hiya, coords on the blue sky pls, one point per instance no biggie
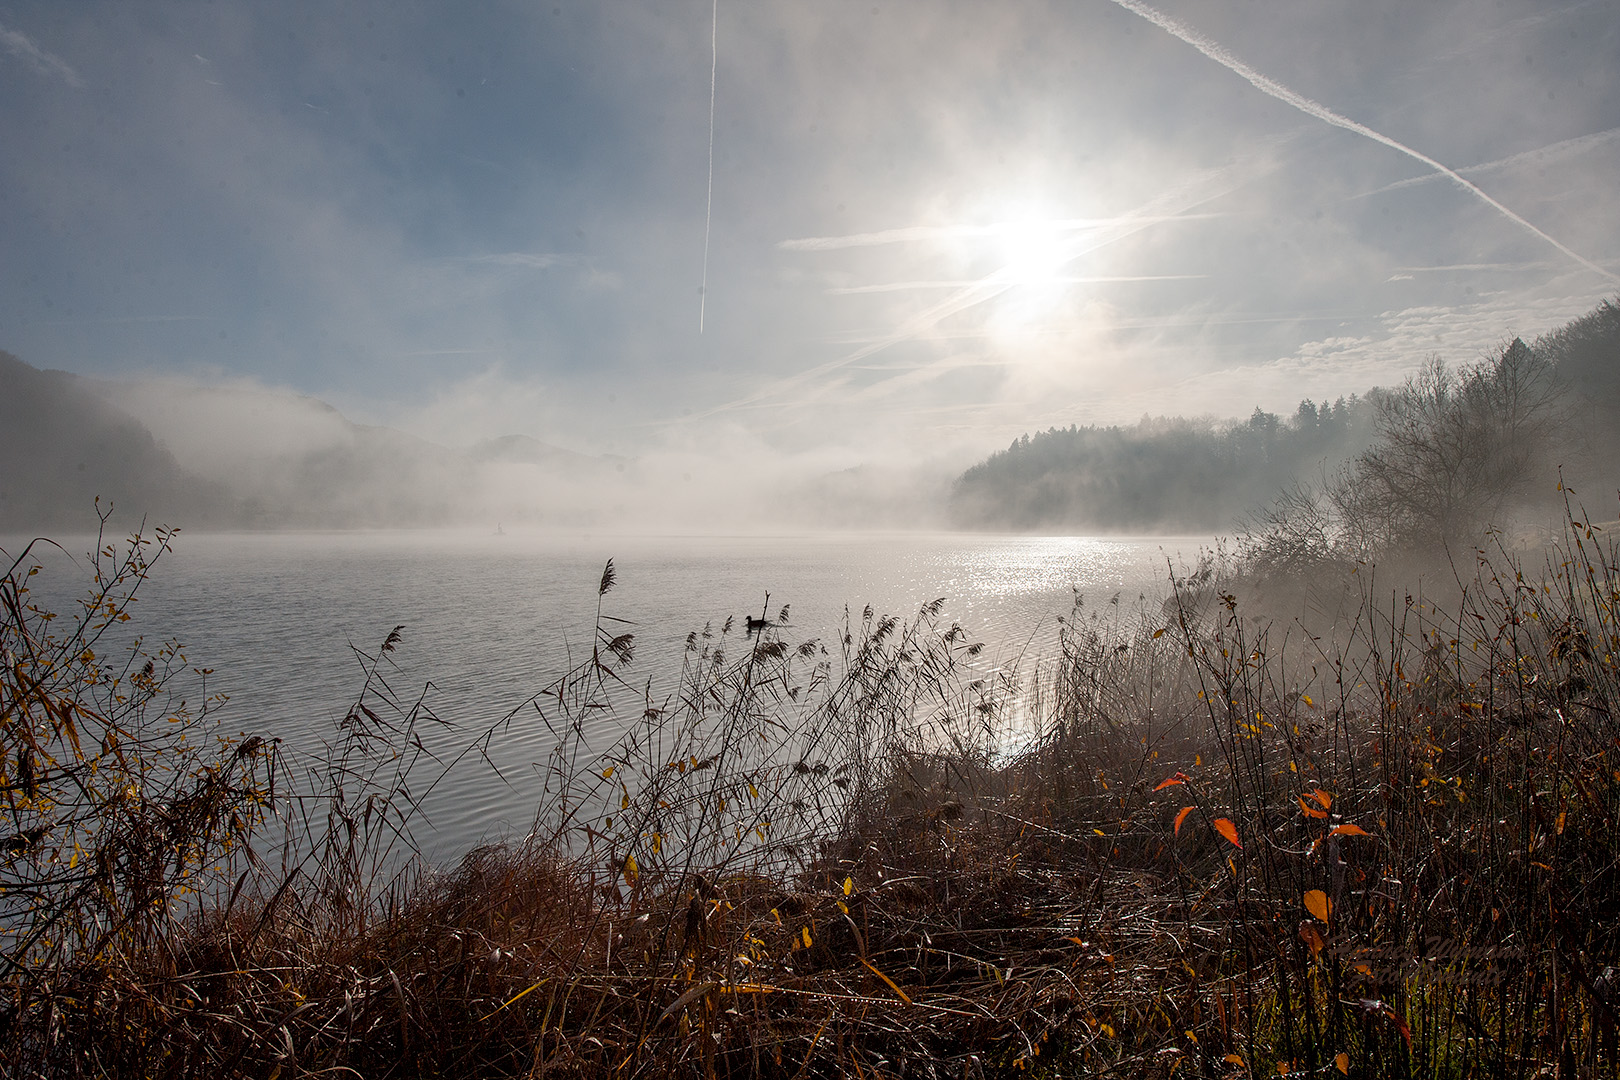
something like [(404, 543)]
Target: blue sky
[(935, 225)]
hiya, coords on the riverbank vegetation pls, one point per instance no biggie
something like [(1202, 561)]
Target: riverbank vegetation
[(1199, 843)]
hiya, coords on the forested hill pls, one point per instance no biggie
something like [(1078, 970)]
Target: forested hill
[(1204, 475), (1158, 475)]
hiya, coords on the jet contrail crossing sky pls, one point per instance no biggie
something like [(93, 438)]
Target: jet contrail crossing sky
[(1267, 85)]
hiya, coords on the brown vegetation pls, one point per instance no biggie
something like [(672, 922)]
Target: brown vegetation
[(1225, 847)]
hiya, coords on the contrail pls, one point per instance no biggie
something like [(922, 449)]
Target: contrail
[(1169, 206), (708, 214), (1550, 152), (1269, 86)]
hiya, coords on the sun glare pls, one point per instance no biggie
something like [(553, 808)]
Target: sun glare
[(1033, 252)]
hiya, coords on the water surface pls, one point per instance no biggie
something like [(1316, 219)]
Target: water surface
[(491, 619)]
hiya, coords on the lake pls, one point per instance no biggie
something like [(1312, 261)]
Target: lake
[(491, 619)]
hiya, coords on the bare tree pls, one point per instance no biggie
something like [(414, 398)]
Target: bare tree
[(1454, 451)]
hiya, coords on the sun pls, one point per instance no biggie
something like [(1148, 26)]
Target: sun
[(1032, 251)]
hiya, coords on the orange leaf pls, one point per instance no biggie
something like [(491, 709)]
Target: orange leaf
[(1185, 810), (1348, 830), (1310, 811), (1323, 797), (1316, 902), (1179, 778), (1229, 830), (1312, 938), (1341, 1061)]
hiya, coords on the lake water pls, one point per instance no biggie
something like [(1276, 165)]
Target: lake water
[(491, 619)]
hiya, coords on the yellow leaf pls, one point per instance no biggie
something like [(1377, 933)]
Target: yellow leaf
[(1233, 1059), (1306, 698), (630, 869), (1157, 634), (849, 886), (1342, 1061), (1316, 902), (607, 773), (892, 984), (1229, 830), (804, 932)]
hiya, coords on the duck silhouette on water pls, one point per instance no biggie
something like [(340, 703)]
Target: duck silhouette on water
[(764, 622)]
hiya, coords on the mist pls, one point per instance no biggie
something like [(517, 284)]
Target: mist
[(237, 455), (930, 230)]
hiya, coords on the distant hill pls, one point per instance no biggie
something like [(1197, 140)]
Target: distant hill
[(247, 457), (62, 445), (293, 461)]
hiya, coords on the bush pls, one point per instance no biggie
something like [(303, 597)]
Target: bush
[(121, 801)]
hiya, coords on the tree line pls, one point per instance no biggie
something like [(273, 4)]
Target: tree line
[(1161, 474), (1428, 463)]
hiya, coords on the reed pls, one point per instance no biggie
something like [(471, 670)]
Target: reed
[(1230, 845)]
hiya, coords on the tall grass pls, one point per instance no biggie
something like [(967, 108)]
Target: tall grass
[(1235, 845)]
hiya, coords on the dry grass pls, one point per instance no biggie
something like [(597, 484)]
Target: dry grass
[(1233, 848)]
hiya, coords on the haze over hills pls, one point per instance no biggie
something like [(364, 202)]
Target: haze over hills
[(240, 456), (244, 457), (62, 445)]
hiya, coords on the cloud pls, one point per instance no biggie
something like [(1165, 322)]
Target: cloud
[(528, 260), (1171, 205), (20, 45), (923, 233), (910, 286), (1271, 87), (1382, 354)]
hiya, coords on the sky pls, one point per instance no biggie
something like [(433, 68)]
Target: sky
[(919, 229)]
